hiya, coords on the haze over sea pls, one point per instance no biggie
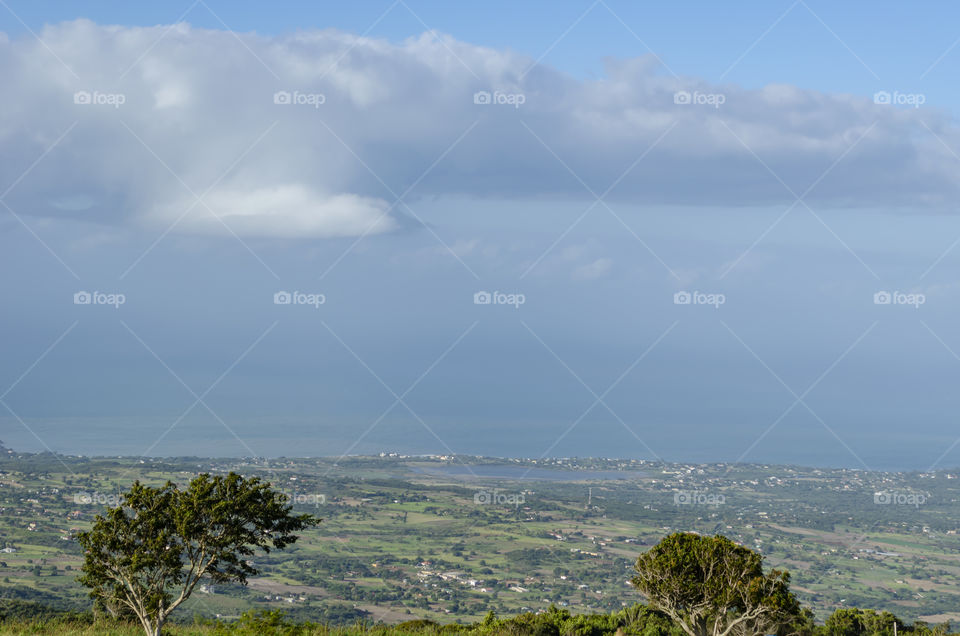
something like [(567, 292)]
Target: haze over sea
[(298, 437)]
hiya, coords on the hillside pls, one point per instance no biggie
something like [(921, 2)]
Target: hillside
[(406, 537)]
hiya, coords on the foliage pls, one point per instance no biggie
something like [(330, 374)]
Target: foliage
[(710, 585), (147, 555), (12, 609), (637, 620), (856, 622)]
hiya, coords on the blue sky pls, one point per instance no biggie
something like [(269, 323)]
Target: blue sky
[(810, 44), (744, 158)]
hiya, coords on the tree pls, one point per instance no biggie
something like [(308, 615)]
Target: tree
[(148, 554), (852, 621), (846, 621), (712, 586)]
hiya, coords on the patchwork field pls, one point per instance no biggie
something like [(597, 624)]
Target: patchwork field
[(452, 538)]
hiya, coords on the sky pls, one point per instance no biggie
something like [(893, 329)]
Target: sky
[(680, 231)]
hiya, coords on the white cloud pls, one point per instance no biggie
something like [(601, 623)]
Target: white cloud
[(593, 270), (283, 211), (199, 107)]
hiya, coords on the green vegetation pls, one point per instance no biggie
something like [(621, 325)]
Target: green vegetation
[(146, 555), (632, 621), (406, 538), (697, 586), (637, 620), (710, 585)]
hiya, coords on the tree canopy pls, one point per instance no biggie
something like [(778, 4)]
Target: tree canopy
[(713, 587), (146, 555)]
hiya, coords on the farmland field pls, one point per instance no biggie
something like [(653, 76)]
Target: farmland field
[(424, 537)]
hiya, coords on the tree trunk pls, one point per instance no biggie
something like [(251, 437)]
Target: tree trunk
[(152, 628)]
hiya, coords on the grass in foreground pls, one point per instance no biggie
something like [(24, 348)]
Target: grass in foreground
[(634, 621)]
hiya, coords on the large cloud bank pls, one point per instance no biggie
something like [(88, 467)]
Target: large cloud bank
[(316, 134)]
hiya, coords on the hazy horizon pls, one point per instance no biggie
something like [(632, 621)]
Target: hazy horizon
[(695, 233)]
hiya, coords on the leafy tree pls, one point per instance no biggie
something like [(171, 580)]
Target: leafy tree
[(261, 623), (712, 586), (852, 621), (846, 621), (147, 555), (881, 623)]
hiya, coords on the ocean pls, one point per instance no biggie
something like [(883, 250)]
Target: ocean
[(314, 437)]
